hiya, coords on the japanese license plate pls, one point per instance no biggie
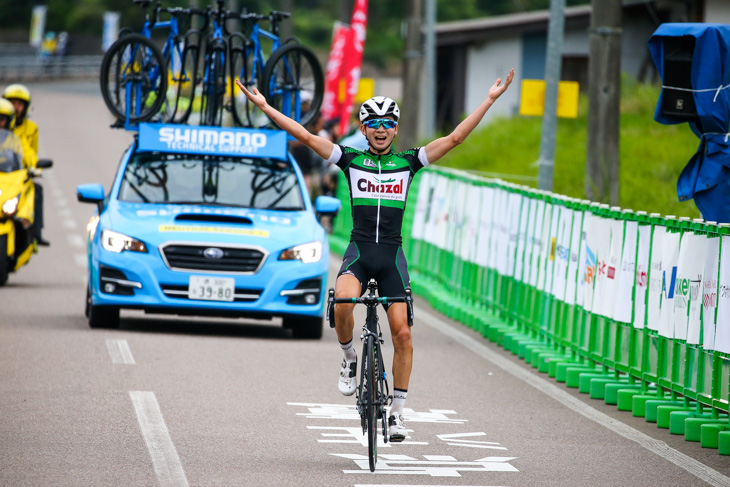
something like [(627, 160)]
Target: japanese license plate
[(211, 288)]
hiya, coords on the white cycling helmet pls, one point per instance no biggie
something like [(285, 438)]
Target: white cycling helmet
[(379, 107)]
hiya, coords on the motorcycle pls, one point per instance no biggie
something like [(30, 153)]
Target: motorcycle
[(17, 194)]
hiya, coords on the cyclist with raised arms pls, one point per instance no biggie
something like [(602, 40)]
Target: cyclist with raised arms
[(378, 180)]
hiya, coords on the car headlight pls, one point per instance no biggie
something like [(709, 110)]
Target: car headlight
[(11, 206), (118, 242), (307, 253)]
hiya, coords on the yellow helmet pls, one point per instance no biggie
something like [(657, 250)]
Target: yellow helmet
[(7, 110), (17, 91)]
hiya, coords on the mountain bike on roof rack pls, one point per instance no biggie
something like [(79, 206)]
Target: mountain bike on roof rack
[(138, 79), (373, 393)]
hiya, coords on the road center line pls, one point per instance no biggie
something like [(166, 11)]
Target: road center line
[(119, 351), (698, 469), (164, 455)]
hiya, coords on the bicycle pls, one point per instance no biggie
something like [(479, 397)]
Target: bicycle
[(136, 73), (373, 393), (290, 71)]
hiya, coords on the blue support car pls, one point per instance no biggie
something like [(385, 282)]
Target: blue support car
[(208, 221)]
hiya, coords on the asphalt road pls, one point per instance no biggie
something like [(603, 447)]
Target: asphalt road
[(173, 402)]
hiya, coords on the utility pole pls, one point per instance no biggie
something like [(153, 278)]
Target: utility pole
[(553, 66), (604, 96), (412, 66), (287, 27), (429, 73)]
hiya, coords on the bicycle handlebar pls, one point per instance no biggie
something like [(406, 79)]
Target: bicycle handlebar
[(369, 300)]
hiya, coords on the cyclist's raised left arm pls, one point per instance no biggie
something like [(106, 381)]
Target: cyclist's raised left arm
[(436, 149), (321, 146)]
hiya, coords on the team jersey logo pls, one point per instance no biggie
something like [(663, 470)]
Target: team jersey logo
[(374, 186), (369, 163)]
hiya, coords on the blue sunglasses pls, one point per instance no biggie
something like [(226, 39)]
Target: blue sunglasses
[(377, 122)]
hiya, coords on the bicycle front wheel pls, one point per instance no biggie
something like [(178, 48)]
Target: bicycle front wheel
[(369, 396), (182, 78), (214, 86), (133, 78), (293, 83)]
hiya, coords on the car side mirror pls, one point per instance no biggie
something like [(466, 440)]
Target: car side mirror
[(44, 163), (327, 205), (91, 193)]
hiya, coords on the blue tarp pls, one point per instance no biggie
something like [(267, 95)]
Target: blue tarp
[(706, 177)]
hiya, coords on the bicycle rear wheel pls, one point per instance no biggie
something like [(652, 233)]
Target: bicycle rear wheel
[(244, 68), (182, 69), (133, 78), (291, 75), (214, 86)]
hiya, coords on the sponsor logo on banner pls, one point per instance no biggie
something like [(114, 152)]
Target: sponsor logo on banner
[(668, 288), (641, 276), (367, 185), (590, 265), (709, 300), (213, 140), (611, 272)]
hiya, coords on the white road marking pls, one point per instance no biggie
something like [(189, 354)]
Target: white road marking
[(701, 471), (75, 241), (64, 212), (164, 455), (119, 351), (355, 435), (81, 260), (61, 202), (69, 223), (411, 485), (433, 466), (457, 439)]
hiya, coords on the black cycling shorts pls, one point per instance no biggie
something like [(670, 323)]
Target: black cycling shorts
[(386, 263)]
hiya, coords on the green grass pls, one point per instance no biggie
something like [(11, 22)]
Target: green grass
[(652, 155)]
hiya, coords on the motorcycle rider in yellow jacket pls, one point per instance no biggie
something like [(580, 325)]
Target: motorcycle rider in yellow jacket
[(27, 131)]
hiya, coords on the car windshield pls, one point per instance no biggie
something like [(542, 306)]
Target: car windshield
[(211, 180), (11, 152)]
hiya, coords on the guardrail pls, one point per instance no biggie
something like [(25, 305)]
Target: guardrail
[(31, 68), (631, 308)]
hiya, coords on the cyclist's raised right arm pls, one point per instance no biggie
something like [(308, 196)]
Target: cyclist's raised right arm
[(323, 147)]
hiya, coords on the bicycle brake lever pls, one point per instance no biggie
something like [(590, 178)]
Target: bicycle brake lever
[(330, 308)]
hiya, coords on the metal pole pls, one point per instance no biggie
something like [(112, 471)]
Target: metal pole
[(412, 66), (429, 95), (604, 97), (553, 64)]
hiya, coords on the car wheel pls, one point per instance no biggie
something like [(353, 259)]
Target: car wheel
[(4, 267), (101, 316), (304, 326)]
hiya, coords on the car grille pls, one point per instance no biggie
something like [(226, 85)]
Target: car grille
[(241, 295), (235, 259)]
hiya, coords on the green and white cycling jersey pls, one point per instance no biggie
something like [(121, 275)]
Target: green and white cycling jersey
[(378, 187)]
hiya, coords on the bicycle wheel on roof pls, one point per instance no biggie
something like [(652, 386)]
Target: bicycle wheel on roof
[(182, 66), (293, 83), (133, 78), (244, 67)]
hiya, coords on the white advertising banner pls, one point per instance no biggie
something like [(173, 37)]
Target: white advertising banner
[(582, 266), (469, 243), (537, 243), (604, 290), (571, 282), (425, 193), (513, 227), (690, 266), (497, 230), (642, 275), (722, 326), (591, 237), (562, 253), (654, 304), (485, 226), (436, 234), (625, 287), (522, 238), (709, 292), (696, 273), (670, 257), (459, 212), (546, 242)]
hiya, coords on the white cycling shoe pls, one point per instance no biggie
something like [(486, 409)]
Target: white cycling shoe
[(347, 383), (397, 428)]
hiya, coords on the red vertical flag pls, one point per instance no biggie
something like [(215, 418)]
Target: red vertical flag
[(331, 102), (352, 60)]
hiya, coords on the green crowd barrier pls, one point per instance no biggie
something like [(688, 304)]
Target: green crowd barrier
[(629, 307)]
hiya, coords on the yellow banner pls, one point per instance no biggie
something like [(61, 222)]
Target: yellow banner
[(532, 99), (234, 231)]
